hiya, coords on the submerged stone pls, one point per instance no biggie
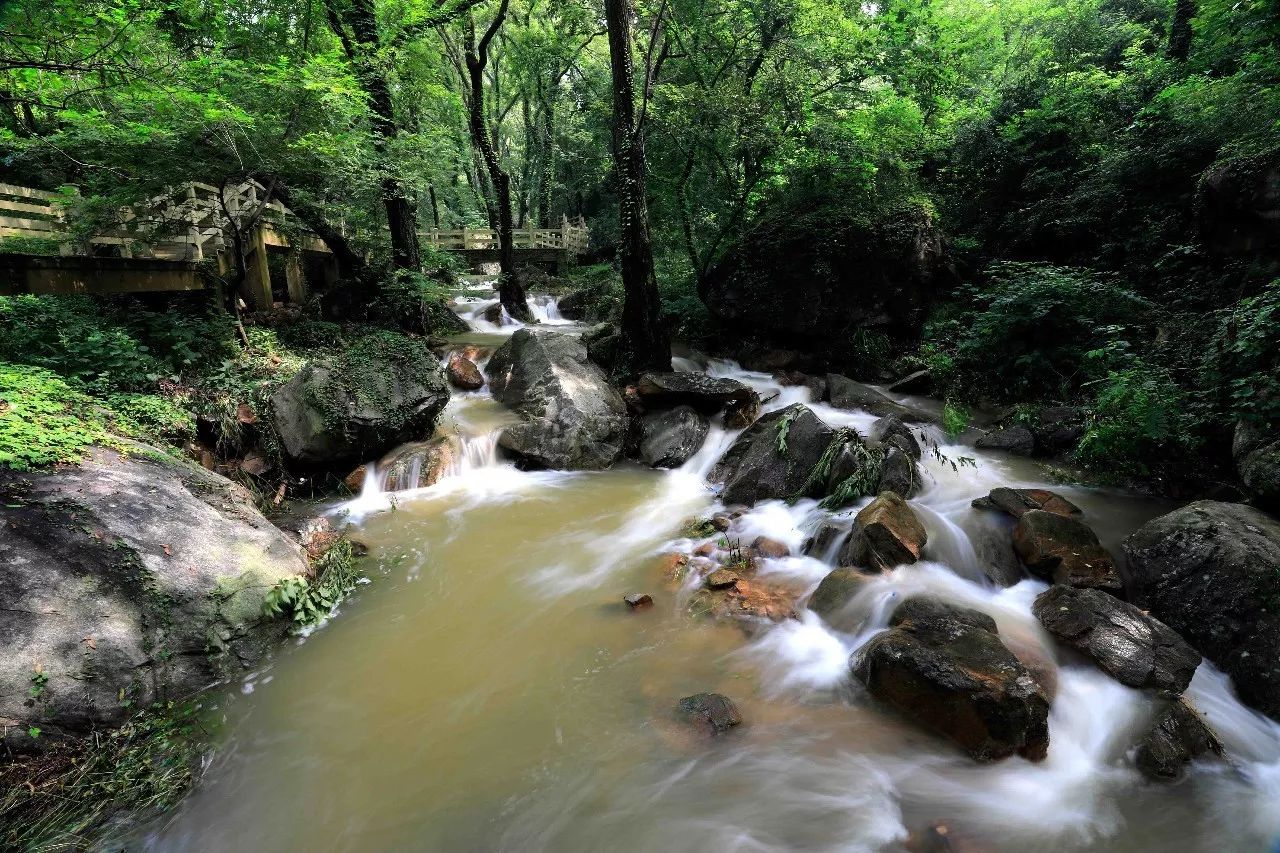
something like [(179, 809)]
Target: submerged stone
[(712, 713), (1178, 736)]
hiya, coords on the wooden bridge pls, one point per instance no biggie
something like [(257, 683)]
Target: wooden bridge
[(160, 245)]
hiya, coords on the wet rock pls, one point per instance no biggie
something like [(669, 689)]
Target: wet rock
[(773, 458), (1208, 571), (721, 579), (707, 394), (835, 592), (463, 373), (601, 343), (670, 438), (355, 480), (574, 304), (1017, 502), (765, 547), (673, 567), (1257, 457), (824, 539), (900, 474), (945, 667), (853, 473), (638, 600), (845, 393), (742, 413), (355, 406), (713, 713), (572, 417), (138, 577), (995, 553), (1136, 649), (1058, 429), (493, 314), (1178, 736), (747, 601), (886, 533), (817, 385), (1063, 549), (722, 521), (418, 464), (890, 430), (1017, 440), (920, 382)]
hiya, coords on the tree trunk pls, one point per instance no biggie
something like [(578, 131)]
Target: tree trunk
[(362, 51), (547, 184), (510, 289), (645, 344), (1180, 32), (350, 264)]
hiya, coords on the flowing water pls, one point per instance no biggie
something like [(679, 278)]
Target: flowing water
[(489, 691)]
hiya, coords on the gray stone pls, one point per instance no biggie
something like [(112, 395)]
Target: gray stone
[(1017, 440), (773, 458), (1257, 456), (359, 405), (834, 593), (900, 474), (1137, 649), (1211, 572), (572, 418), (668, 439), (138, 576), (1178, 736), (711, 712)]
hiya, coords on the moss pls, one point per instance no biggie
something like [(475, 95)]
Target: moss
[(43, 421)]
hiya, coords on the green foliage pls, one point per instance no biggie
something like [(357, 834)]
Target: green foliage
[(147, 416), (1244, 357), (64, 798), (307, 603), (43, 420), (1030, 327), (1139, 421), (864, 480), (955, 418), (30, 246)]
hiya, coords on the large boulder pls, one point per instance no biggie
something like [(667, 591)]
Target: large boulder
[(1257, 457), (668, 439), (1063, 549), (1178, 736), (1137, 649), (707, 394), (846, 393), (832, 597), (900, 474), (1017, 440), (463, 373), (383, 391), (573, 419), (945, 667), (868, 270), (128, 579), (1209, 572), (774, 457), (886, 533)]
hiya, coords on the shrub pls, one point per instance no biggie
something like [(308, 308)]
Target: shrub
[(1139, 423), (1244, 357), (148, 416)]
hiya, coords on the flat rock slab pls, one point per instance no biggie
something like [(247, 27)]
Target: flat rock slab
[(1065, 550), (1137, 649), (945, 667), (1018, 502)]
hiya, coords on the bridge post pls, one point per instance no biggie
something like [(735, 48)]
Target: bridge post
[(258, 280)]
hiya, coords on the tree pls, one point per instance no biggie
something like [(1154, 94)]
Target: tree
[(645, 344)]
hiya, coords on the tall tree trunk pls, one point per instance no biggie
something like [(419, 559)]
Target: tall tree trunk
[(362, 48), (547, 183), (645, 344), (1180, 33), (510, 289)]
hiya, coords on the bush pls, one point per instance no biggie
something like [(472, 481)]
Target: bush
[(1244, 358), (1140, 422), (148, 416), (1036, 331)]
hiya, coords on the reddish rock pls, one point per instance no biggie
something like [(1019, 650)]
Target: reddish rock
[(721, 579), (463, 373), (766, 547), (638, 600), (706, 549), (1065, 550), (418, 464), (672, 568), (355, 480), (747, 600), (255, 463), (886, 534), (1018, 502)]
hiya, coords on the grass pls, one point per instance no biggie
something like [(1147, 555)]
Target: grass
[(65, 797)]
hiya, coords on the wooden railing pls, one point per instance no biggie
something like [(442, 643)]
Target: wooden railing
[(572, 236), (190, 224)]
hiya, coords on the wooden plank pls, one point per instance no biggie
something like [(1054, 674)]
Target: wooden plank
[(22, 207), (26, 192), (29, 224)]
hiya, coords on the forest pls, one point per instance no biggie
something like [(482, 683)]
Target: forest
[(765, 313)]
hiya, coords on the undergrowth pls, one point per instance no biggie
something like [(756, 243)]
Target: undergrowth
[(43, 421), (308, 602), (63, 798)]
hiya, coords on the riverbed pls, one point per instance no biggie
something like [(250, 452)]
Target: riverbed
[(488, 689)]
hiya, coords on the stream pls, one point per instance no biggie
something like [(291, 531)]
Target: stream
[(488, 690)]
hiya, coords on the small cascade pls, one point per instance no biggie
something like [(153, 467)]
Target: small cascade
[(545, 310)]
